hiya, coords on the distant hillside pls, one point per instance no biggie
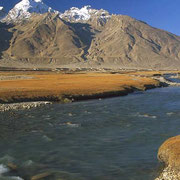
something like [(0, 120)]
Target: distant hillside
[(128, 42)]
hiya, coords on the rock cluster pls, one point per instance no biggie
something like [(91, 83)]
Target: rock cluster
[(169, 174), (24, 105)]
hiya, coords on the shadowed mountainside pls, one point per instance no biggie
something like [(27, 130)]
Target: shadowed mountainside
[(5, 37), (45, 39)]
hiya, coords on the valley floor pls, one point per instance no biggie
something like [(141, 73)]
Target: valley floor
[(26, 86)]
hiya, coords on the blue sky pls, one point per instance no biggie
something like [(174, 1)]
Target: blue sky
[(163, 14)]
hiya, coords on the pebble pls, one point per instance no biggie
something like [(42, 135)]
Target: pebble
[(169, 174)]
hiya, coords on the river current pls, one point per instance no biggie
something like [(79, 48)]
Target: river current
[(108, 139)]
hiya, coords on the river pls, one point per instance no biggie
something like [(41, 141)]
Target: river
[(108, 139)]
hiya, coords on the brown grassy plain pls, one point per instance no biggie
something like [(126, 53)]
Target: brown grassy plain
[(169, 152), (57, 86)]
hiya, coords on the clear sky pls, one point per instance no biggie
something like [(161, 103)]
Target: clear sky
[(163, 14)]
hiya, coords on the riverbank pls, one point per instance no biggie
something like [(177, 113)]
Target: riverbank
[(28, 86), (23, 105), (169, 155)]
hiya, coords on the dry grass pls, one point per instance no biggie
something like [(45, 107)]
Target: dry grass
[(54, 86), (169, 152)]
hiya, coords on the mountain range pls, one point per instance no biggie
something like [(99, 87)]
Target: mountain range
[(35, 35)]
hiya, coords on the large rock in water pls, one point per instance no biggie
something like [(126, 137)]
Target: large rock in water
[(169, 154)]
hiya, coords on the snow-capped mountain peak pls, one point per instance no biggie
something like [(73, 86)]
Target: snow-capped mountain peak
[(25, 8), (84, 14)]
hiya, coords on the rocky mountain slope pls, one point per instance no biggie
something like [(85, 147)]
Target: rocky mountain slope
[(128, 42), (86, 37), (47, 39)]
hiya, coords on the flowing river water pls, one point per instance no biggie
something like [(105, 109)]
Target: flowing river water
[(109, 139)]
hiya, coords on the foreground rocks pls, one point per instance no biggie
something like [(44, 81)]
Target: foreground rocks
[(20, 106), (169, 155)]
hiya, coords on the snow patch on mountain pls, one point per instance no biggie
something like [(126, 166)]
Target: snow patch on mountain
[(84, 14), (25, 8)]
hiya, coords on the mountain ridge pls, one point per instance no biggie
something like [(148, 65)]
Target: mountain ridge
[(87, 37), (25, 8), (84, 14)]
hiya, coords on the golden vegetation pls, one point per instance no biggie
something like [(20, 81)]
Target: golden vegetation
[(54, 86), (169, 152)]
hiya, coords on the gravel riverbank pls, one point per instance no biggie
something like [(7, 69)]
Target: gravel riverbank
[(23, 105)]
